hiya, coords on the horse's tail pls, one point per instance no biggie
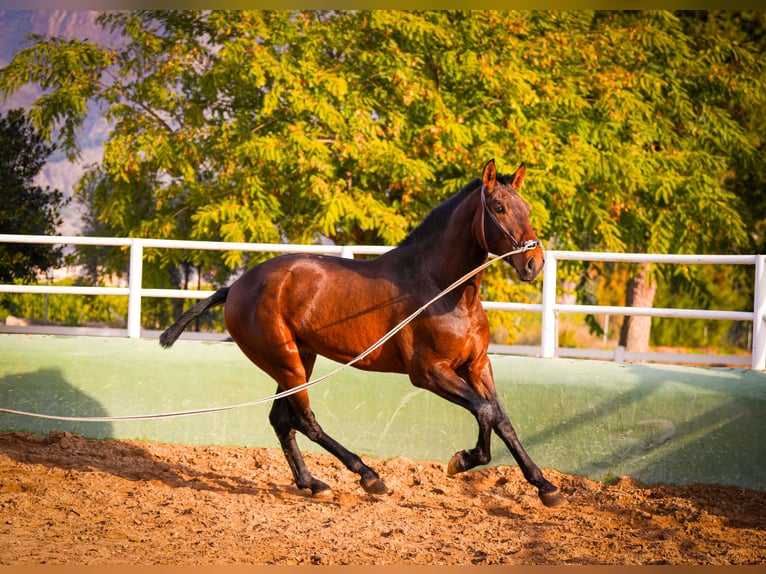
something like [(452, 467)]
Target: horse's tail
[(172, 333)]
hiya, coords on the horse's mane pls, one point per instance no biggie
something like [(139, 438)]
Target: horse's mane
[(438, 216)]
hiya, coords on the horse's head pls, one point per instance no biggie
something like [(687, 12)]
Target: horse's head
[(501, 223)]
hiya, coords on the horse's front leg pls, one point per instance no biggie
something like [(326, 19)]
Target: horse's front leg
[(438, 377), (549, 494)]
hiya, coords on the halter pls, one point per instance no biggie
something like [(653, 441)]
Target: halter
[(529, 244)]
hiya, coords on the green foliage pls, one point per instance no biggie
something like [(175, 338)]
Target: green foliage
[(725, 287), (262, 126), (25, 208), (68, 310), (641, 130)]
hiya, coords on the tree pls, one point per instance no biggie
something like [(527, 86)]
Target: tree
[(26, 209), (651, 120), (748, 178), (349, 126)]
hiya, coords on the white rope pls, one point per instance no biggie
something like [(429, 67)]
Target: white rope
[(528, 245)]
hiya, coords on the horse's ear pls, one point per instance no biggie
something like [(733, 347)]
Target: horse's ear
[(518, 177), (489, 177)]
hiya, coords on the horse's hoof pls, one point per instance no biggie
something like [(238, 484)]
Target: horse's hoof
[(320, 490), (322, 493), (552, 499), (374, 486), (455, 465)]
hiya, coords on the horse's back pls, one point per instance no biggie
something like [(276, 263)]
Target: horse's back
[(324, 305), (300, 282)]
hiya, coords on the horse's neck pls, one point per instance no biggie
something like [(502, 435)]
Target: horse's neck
[(449, 253)]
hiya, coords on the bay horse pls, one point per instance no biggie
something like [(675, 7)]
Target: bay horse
[(285, 311)]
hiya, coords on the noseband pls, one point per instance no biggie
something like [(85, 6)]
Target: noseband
[(529, 244)]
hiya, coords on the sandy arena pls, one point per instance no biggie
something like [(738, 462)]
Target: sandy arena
[(69, 500)]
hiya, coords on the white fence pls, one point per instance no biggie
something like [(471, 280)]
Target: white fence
[(549, 308)]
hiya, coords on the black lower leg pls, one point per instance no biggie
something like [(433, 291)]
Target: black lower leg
[(467, 459), (547, 491), (369, 479), (280, 417), (301, 474)]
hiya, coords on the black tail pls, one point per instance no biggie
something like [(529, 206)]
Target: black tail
[(172, 333)]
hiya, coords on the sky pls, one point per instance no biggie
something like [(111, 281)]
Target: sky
[(58, 173)]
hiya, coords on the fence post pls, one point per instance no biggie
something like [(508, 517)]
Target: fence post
[(759, 315), (135, 283), (549, 340)]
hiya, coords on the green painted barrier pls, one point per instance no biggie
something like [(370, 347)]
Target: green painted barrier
[(657, 423)]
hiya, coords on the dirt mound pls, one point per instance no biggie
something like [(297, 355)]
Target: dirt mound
[(69, 500)]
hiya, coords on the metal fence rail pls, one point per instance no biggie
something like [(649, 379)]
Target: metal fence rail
[(549, 308)]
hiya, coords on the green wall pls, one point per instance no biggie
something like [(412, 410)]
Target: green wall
[(657, 423)]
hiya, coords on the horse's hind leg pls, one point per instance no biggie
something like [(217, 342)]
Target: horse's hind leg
[(306, 423), (286, 420), (282, 418), (293, 413)]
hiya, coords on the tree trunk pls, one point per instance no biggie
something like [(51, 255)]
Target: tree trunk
[(634, 335)]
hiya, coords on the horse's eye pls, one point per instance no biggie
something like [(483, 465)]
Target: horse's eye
[(499, 209)]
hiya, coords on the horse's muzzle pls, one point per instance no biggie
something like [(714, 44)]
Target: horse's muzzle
[(532, 266)]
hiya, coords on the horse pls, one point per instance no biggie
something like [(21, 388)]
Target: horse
[(284, 312)]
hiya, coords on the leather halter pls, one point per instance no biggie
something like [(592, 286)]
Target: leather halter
[(478, 223)]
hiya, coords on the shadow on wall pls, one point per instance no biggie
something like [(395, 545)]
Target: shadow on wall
[(46, 391)]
